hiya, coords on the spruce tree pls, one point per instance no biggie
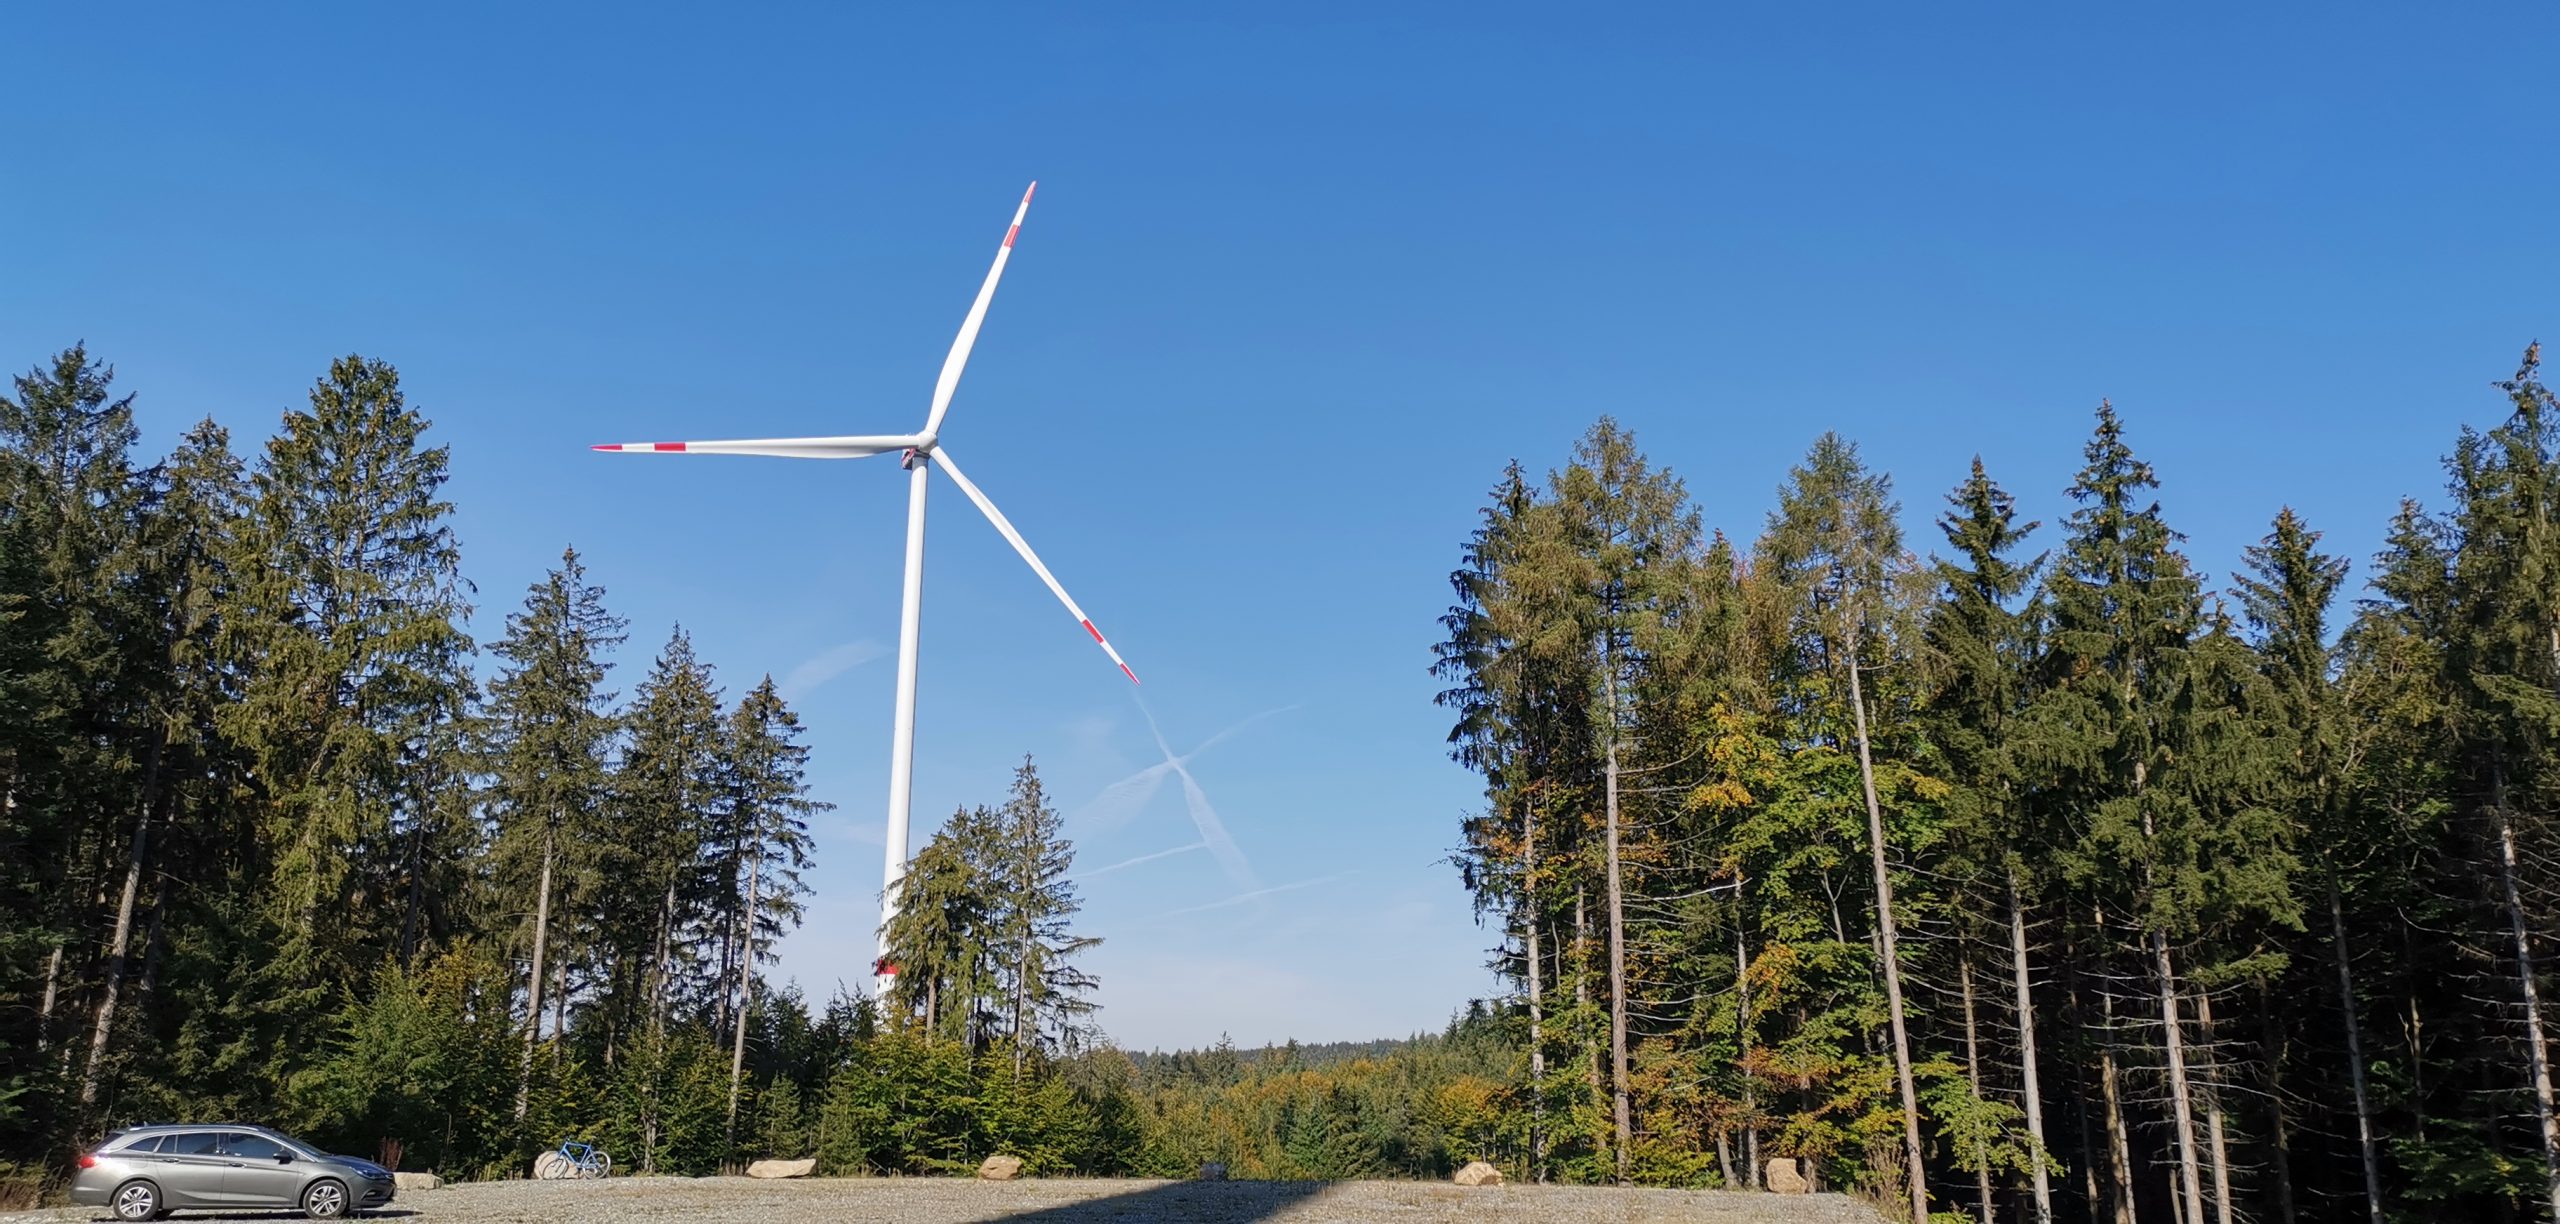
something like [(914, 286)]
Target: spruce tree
[(1834, 543), (2505, 649), (1630, 533), (551, 731), (76, 664), (764, 821), (349, 599), (941, 939), (1981, 638), (1034, 903), (192, 519)]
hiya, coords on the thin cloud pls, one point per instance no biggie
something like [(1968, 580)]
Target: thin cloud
[(814, 672)]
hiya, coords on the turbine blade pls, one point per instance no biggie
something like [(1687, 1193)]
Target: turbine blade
[(850, 447), (1004, 527), (958, 358)]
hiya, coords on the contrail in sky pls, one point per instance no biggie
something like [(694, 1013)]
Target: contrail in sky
[(1203, 816), (1256, 894), (1124, 798), (1143, 858)]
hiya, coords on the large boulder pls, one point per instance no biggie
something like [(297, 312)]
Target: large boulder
[(1000, 1168), (1213, 1171), (782, 1168), (1478, 1173), (416, 1181), (1784, 1179)]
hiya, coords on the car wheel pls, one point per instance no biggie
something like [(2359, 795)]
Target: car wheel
[(136, 1200), (325, 1200)]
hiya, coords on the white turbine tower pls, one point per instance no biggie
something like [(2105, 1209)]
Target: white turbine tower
[(922, 450)]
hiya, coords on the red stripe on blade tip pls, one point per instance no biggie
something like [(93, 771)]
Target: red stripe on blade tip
[(1008, 235), (1133, 676), (1088, 627), (666, 446)]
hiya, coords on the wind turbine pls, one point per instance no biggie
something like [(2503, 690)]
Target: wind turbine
[(920, 452)]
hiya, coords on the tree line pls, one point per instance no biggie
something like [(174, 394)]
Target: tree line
[(285, 844), (2038, 877)]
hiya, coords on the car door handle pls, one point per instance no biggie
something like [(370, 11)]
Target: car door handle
[(235, 1164)]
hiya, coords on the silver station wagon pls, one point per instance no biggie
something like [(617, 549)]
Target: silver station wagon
[(146, 1172)]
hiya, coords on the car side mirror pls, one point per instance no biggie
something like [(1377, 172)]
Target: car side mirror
[(284, 1158)]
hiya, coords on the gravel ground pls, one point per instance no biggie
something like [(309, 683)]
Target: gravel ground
[(1065, 1201)]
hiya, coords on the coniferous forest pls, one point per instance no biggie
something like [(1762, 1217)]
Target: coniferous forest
[(2021, 872), (284, 844)]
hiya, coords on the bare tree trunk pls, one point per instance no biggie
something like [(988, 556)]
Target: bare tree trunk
[(559, 1009), (1021, 985), (1621, 1106), (660, 951), (2537, 1054), (2119, 1147), (2088, 1149), (152, 944), (52, 989), (1892, 969), (2181, 1104), (415, 866), (1742, 1044), (2279, 1131), (534, 982), (2211, 1056), (2355, 1056), (1973, 1076), (2029, 1091), (120, 945), (1537, 995), (746, 994)]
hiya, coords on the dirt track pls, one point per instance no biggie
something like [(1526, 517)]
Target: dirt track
[(1046, 1201)]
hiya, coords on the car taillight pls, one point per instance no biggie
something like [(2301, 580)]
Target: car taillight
[(88, 1160)]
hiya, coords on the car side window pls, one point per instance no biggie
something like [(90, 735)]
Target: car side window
[(144, 1146), (192, 1143), (251, 1147)]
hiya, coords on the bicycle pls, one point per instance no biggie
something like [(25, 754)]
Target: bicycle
[(573, 1159)]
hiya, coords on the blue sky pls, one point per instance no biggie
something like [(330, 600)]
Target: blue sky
[(1294, 289)]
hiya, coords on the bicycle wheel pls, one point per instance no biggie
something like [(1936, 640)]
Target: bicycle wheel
[(604, 1165)]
